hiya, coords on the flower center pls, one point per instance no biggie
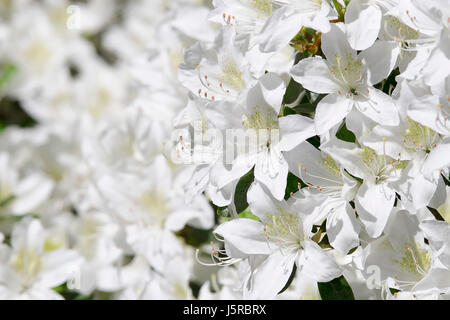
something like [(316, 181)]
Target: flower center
[(27, 263), (348, 71), (415, 260), (264, 123), (38, 53), (154, 205), (400, 32), (420, 138), (331, 166), (231, 74), (264, 7), (382, 167), (260, 119), (330, 185), (285, 230)]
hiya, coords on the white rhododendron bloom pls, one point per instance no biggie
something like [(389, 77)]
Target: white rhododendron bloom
[(348, 79), (225, 150), (272, 245)]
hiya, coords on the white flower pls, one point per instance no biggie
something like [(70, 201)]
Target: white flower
[(431, 19), (332, 188), (376, 195), (286, 21), (274, 244), (400, 254), (407, 262), (348, 80), (173, 283), (363, 21), (218, 73), (227, 283), (95, 242), (431, 110), (149, 206), (392, 29), (258, 117), (247, 17), (34, 265)]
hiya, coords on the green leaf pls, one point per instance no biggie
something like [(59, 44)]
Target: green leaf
[(436, 214), (390, 83), (307, 108), (308, 104), (5, 201), (446, 180), (292, 185), (325, 243), (393, 290), (287, 111), (340, 10), (336, 289), (315, 141), (223, 211), (240, 195), (7, 71), (12, 113), (293, 90), (344, 134), (194, 236), (71, 294), (248, 215)]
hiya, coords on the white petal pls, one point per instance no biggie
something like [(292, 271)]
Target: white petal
[(342, 228), (261, 202), (387, 140), (59, 266), (348, 155), (438, 158), (335, 43), (425, 110), (380, 108), (295, 129), (380, 59), (198, 214), (278, 30), (437, 278), (374, 204), (273, 89), (271, 169), (437, 67), (31, 193), (363, 24), (270, 277), (313, 74), (330, 111), (316, 263), (246, 235)]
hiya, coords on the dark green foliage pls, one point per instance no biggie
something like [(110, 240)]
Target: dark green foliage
[(12, 113), (240, 196), (336, 289), (344, 134), (292, 185)]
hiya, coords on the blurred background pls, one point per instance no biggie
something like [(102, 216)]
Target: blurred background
[(90, 205)]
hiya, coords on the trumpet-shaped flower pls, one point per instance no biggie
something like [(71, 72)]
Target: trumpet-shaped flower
[(280, 239), (348, 78)]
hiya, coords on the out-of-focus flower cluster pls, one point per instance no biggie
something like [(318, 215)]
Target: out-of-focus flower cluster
[(224, 149)]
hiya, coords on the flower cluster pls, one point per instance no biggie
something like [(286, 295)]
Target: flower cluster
[(225, 149)]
